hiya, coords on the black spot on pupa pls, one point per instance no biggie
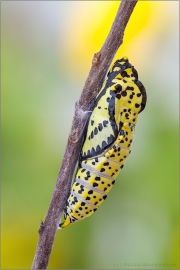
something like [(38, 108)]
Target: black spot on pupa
[(124, 93), (131, 96), (124, 74), (95, 131), (105, 122), (106, 163), (118, 87), (95, 184), (137, 105), (129, 88), (100, 127)]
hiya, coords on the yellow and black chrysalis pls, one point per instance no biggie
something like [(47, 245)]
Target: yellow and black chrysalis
[(108, 140)]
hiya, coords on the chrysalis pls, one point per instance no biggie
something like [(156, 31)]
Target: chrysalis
[(108, 140)]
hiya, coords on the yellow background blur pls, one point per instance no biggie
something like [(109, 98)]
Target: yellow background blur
[(47, 49)]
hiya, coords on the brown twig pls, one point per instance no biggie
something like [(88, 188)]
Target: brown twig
[(100, 65)]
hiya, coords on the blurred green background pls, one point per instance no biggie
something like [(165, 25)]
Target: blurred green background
[(47, 47)]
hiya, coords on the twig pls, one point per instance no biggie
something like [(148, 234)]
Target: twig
[(100, 65)]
